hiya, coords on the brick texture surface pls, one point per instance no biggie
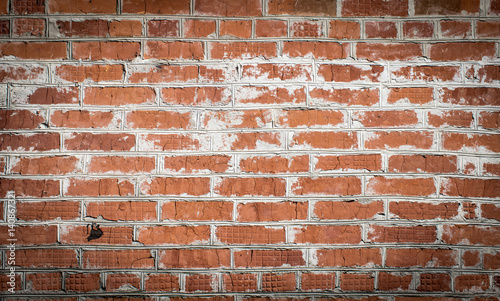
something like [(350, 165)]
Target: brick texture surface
[(250, 150)]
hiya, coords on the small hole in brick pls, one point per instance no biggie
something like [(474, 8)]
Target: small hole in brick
[(95, 232)]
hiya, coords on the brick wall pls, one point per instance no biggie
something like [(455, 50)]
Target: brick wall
[(251, 149)]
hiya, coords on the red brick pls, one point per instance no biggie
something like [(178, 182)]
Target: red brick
[(402, 234), (57, 165), (82, 6), (471, 258), (275, 164), (491, 169), (197, 211), (30, 235), (159, 120), (337, 210), (49, 95), (4, 9), (464, 187), (197, 164), (122, 281), (245, 8), (394, 282), (434, 283), (3, 164), (356, 8), (117, 259), (250, 186), (425, 73), (199, 28), (176, 186), (165, 73), (471, 142), (418, 29), (340, 29), (462, 51), (163, 28), (269, 258), (164, 7), (173, 142), (426, 298), (197, 96), (236, 28), (47, 210), (306, 29), (242, 50), (177, 235), (25, 73), (381, 29), (490, 211), (318, 50), (379, 185), (421, 257), (325, 140), (492, 261), (106, 50), (344, 97), (99, 187), (84, 119), (99, 142), (33, 142), (215, 120), (4, 28), (29, 27), (399, 140), (480, 96), (386, 119), (270, 28), (26, 7), (418, 96), (455, 29), (340, 186), (161, 283), (357, 282), (273, 282), (267, 212), (489, 120), (423, 163), (250, 235), (82, 282), (423, 211), (125, 28), (472, 282), (77, 235), (446, 7), (29, 188), (46, 258), (388, 51), (351, 257), (348, 162), (302, 8), (116, 96), (270, 95), (240, 282), (483, 73), (84, 28), (34, 50), (126, 165), (317, 282), (123, 210), (201, 283), (44, 281), (194, 258), (277, 72), (250, 140), (470, 235), (349, 73), (95, 73), (313, 234), (309, 118), (450, 118), (21, 119)]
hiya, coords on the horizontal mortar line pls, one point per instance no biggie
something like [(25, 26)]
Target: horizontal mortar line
[(244, 175), (314, 222), (246, 40)]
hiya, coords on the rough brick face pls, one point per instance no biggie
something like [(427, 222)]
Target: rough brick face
[(250, 150)]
